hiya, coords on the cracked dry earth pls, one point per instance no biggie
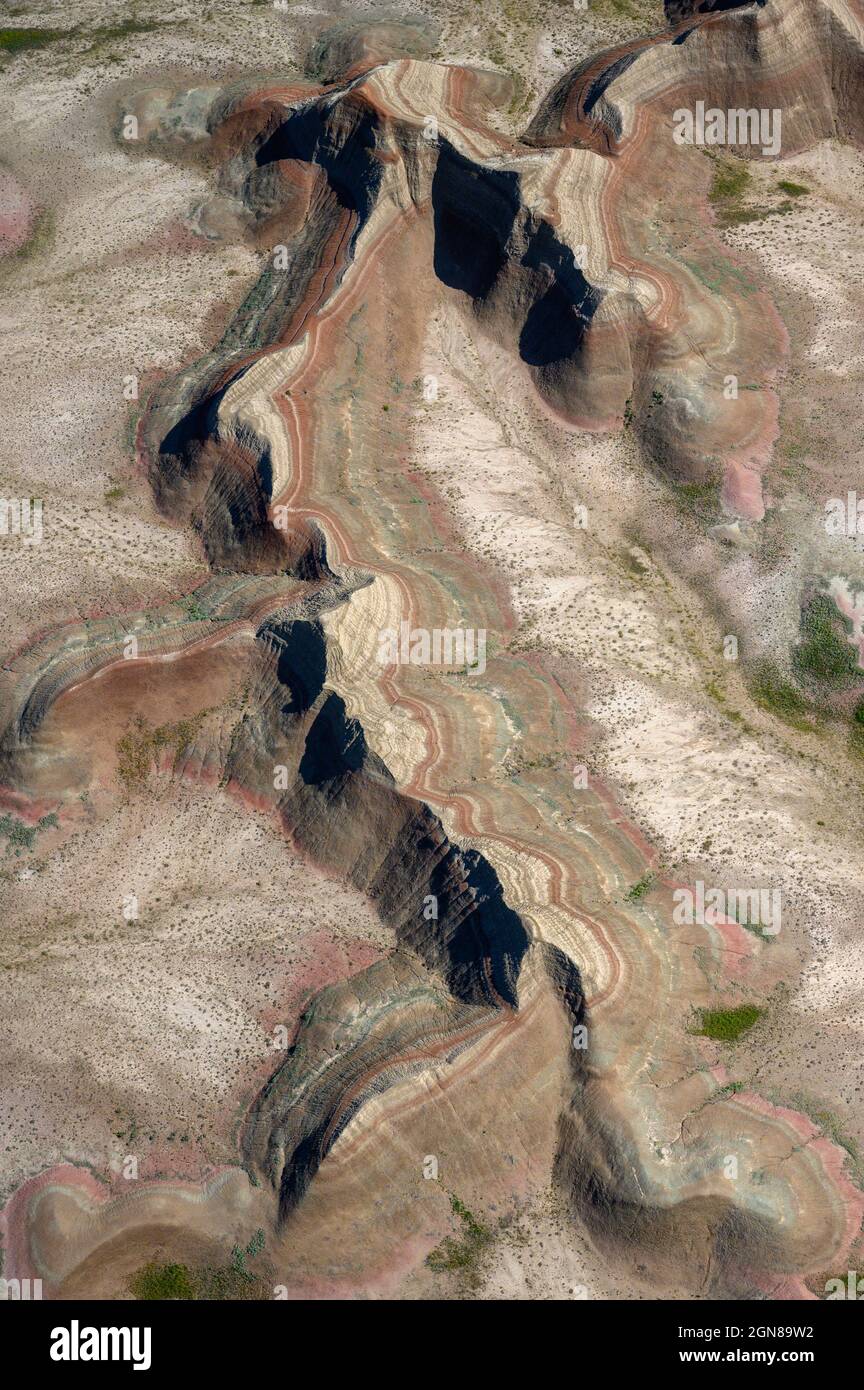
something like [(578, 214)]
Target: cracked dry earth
[(335, 972)]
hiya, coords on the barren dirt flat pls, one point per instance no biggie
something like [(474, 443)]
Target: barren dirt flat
[(432, 677)]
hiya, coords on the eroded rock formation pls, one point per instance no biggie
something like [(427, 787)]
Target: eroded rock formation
[(379, 192)]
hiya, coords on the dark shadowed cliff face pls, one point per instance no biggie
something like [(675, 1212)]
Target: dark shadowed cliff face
[(475, 213), (457, 939), (510, 263), (341, 142), (676, 10), (343, 808)]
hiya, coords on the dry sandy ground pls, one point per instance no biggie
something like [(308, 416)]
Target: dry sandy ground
[(158, 1030), (724, 790), (154, 1031)]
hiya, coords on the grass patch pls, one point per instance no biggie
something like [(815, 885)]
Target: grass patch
[(693, 492), (522, 93), (157, 1283), (730, 183), (739, 217), (20, 40), (129, 26), (824, 657), (463, 1254), (14, 41), (727, 1025), (793, 190)]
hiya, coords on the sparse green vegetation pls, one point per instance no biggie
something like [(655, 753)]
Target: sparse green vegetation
[(37, 244), (157, 1282), (20, 836), (713, 690), (831, 1126), (733, 1088), (694, 492), (727, 1025), (731, 181), (139, 748), (774, 693), (256, 1244), (523, 94), (638, 890), (195, 611), (650, 11), (462, 1255), (97, 41), (128, 26), (699, 499), (824, 657), (19, 40)]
